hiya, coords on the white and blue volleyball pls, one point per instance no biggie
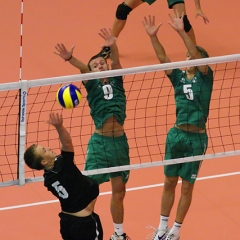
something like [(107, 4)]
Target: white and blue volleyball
[(68, 96)]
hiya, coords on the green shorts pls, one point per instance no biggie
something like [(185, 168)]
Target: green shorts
[(149, 1), (171, 3), (181, 144), (106, 152)]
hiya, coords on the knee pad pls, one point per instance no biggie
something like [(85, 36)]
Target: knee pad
[(187, 25), (122, 11)]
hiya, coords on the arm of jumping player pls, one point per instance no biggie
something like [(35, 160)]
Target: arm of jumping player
[(67, 55), (56, 120), (110, 41), (178, 25), (199, 12), (152, 29)]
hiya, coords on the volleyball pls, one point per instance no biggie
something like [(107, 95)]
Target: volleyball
[(68, 96)]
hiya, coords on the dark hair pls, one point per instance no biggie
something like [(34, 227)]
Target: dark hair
[(32, 159), (94, 57), (202, 51)]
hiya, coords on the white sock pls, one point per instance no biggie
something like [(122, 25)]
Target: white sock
[(176, 228), (163, 222), (118, 228)]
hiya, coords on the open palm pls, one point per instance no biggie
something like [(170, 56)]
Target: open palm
[(149, 25)]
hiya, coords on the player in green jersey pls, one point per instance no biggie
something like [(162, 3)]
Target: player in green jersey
[(108, 146), (124, 9), (192, 92)]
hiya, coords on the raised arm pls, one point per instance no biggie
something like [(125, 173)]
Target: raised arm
[(151, 29), (110, 41), (177, 24), (67, 55), (56, 120), (199, 12)]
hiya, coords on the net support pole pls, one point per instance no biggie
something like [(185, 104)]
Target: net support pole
[(22, 131)]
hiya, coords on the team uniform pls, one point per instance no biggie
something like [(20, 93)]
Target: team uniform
[(75, 192), (171, 3), (107, 100), (149, 1), (192, 99)]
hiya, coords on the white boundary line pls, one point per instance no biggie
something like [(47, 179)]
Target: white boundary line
[(128, 190)]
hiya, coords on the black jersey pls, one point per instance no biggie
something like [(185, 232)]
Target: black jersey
[(74, 190)]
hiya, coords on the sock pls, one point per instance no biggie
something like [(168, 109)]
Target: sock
[(163, 222), (118, 228), (176, 228)]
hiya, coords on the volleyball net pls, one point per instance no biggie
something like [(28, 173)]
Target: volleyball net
[(25, 106)]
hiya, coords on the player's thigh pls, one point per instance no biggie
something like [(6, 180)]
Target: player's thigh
[(173, 150), (177, 5), (133, 3), (85, 228), (64, 229), (118, 185)]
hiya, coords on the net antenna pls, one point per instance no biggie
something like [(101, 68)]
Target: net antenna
[(21, 40)]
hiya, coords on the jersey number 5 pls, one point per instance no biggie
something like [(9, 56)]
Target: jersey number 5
[(108, 91), (60, 190), (187, 89)]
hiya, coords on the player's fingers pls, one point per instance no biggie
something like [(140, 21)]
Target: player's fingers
[(145, 21), (153, 20), (176, 13), (182, 15), (159, 25), (170, 17)]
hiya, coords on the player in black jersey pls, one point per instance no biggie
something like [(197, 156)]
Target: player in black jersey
[(192, 92), (77, 193)]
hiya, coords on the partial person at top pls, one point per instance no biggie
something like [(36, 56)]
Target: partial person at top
[(124, 9)]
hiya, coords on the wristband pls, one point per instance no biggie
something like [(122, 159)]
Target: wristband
[(66, 60)]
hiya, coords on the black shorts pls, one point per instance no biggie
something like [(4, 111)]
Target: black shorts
[(80, 228)]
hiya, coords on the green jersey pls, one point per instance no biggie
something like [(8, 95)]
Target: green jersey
[(192, 97), (106, 100)]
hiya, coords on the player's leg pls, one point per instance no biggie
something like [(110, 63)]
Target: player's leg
[(179, 6), (64, 227), (118, 150), (173, 150), (84, 228), (120, 20), (122, 12), (118, 194), (194, 144), (97, 158)]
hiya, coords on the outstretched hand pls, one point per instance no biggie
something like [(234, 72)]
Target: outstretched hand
[(200, 13), (55, 120), (149, 25), (63, 52), (107, 36), (176, 21)]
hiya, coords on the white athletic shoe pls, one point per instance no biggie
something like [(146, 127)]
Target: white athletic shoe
[(117, 237), (158, 234), (172, 236)]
